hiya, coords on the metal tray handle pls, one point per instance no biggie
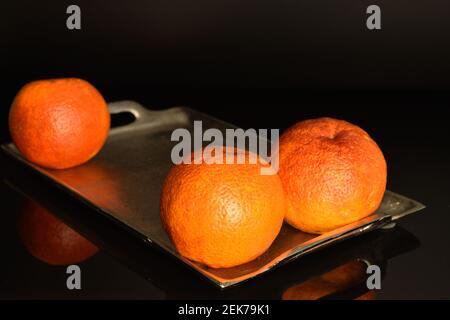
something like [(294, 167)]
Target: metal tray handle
[(147, 118), (138, 111)]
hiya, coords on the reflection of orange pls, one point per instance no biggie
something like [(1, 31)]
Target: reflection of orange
[(369, 295), (341, 278), (332, 172), (59, 123), (222, 215), (50, 240), (101, 185)]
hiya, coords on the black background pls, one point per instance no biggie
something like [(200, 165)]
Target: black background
[(254, 63), (269, 64)]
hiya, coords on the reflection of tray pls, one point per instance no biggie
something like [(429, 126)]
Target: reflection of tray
[(124, 183)]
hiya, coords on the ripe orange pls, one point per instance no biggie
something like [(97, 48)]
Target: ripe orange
[(332, 173), (222, 215), (59, 123), (50, 240)]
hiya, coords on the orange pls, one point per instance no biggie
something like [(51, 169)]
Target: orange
[(222, 215), (59, 123), (50, 240), (332, 173)]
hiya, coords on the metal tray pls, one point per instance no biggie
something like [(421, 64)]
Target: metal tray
[(124, 182)]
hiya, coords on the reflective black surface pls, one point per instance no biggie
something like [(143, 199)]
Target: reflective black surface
[(393, 83), (126, 268)]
